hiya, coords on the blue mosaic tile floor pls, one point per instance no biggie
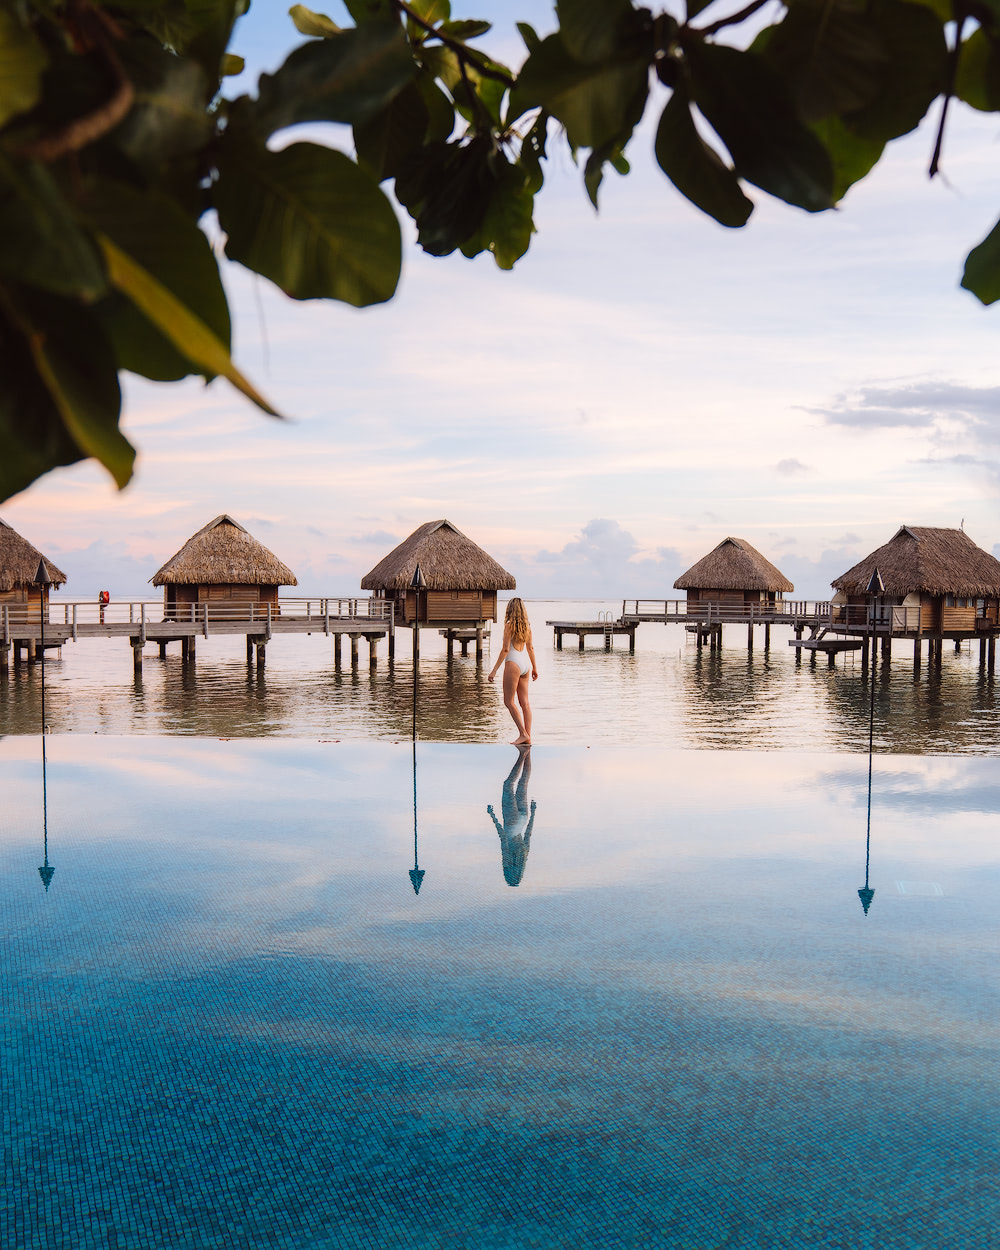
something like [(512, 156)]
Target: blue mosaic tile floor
[(230, 1021)]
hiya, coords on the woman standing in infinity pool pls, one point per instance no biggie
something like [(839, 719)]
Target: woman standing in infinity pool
[(517, 655)]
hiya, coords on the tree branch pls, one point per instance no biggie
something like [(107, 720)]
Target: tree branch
[(734, 20), (465, 54)]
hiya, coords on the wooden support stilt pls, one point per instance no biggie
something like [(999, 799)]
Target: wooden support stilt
[(958, 645), (982, 651), (767, 637), (372, 651), (336, 649), (631, 641), (750, 636), (449, 635), (5, 657), (991, 653), (886, 646), (249, 649), (162, 646), (261, 645), (916, 658), (354, 651), (392, 645), (559, 636), (136, 656), (188, 648), (32, 649), (479, 644), (581, 641)]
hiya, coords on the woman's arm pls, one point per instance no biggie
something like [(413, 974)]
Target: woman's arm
[(504, 648), (531, 656)]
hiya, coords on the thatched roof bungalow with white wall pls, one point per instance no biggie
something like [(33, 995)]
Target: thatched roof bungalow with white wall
[(947, 585), (222, 564), (19, 562), (461, 579), (734, 574)]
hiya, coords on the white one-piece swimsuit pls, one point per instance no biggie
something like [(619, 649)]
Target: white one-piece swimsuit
[(520, 658)]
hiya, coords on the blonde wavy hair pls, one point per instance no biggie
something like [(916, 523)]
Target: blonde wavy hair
[(517, 618)]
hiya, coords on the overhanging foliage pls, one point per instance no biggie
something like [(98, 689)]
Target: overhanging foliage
[(116, 138)]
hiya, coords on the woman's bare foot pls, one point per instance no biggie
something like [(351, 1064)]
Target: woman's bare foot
[(521, 742)]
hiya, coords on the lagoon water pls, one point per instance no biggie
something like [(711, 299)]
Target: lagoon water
[(666, 694), (276, 975)]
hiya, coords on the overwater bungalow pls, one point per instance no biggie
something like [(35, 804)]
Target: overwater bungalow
[(461, 580), (938, 584), (734, 574), (19, 562), (222, 564)]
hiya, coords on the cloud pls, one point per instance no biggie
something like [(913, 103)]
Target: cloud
[(603, 561), (791, 466), (915, 405), (378, 538)]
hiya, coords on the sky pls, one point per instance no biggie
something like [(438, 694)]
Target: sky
[(643, 384)]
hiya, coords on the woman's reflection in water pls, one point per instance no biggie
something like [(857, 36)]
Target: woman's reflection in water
[(515, 832)]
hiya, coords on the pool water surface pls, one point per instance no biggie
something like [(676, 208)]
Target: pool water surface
[(638, 1004)]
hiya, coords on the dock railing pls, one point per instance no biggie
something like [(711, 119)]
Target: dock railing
[(820, 614), (16, 618)]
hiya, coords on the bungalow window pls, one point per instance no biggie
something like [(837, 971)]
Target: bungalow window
[(949, 601)]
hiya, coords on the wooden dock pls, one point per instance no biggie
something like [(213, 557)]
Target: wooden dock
[(145, 621), (608, 630)]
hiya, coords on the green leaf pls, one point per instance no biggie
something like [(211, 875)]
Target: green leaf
[(185, 329), (830, 55), (385, 141), (443, 63), (527, 33), (169, 118), (22, 62), (231, 65), (365, 11), (749, 108), (853, 157), (695, 169), (309, 23), (347, 77), (75, 383), (40, 242), (533, 152), (507, 226), (432, 11), (309, 219), (590, 29), (33, 436), (446, 188), (153, 231), (914, 75), (978, 79), (982, 268), (468, 29), (594, 102)]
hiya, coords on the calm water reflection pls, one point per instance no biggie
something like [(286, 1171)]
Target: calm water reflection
[(230, 1020), (667, 693)]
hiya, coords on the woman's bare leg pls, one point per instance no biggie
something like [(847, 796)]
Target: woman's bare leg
[(523, 683), (511, 672)]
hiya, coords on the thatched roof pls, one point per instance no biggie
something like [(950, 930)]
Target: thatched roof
[(221, 554), (447, 559), (733, 565), (19, 561), (919, 558)]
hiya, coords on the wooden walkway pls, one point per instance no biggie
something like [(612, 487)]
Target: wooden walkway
[(608, 630), (144, 621)]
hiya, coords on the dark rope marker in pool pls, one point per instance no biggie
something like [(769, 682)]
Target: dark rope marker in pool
[(417, 583), (875, 588), (43, 581)]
